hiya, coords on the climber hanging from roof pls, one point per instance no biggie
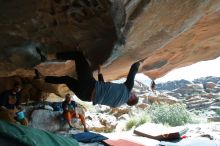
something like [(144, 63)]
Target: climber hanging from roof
[(87, 88)]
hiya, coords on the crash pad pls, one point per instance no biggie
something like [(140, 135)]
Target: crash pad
[(160, 132), (88, 137), (33, 137), (120, 142)]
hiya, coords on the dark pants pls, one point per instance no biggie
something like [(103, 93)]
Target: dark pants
[(85, 84), (131, 75)]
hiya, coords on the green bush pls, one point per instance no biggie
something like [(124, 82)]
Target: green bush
[(170, 115), (141, 121), (131, 123), (137, 121), (173, 115), (218, 111)]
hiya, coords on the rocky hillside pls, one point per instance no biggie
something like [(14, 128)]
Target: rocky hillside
[(184, 88), (172, 85), (200, 94)]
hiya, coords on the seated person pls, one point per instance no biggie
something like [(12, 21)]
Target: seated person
[(10, 109), (69, 111)]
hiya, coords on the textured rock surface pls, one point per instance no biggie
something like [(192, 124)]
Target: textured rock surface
[(50, 120), (46, 119), (115, 33), (201, 95)]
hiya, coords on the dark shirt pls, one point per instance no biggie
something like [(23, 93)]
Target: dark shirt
[(69, 106), (9, 99), (111, 94)]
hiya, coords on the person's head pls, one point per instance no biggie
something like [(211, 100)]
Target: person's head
[(17, 87), (132, 100), (68, 97)]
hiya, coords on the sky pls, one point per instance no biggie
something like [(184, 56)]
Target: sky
[(197, 70)]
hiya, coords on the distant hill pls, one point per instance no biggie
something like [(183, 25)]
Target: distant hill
[(203, 80), (173, 85)]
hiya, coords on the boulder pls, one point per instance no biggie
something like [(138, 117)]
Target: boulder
[(160, 98), (117, 112), (101, 122), (51, 120), (46, 120), (214, 119)]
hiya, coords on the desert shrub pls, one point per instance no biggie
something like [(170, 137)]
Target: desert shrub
[(131, 123), (141, 121), (218, 111), (137, 121), (173, 115)]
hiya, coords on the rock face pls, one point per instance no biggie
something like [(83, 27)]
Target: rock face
[(51, 120), (47, 120), (167, 34), (206, 87), (53, 26), (201, 94)]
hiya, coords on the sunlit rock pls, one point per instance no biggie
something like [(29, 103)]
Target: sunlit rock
[(112, 33)]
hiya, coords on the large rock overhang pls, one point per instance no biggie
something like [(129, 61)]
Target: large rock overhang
[(112, 33)]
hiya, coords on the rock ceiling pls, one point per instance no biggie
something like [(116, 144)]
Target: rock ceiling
[(112, 33)]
